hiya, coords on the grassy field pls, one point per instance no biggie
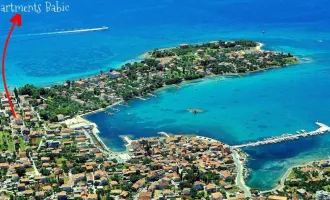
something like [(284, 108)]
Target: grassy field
[(6, 142), (66, 180), (36, 141), (292, 175), (30, 169), (21, 144), (60, 160), (233, 190)]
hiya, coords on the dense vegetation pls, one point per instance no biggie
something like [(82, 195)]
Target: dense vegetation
[(305, 180)]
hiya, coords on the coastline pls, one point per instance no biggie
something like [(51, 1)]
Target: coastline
[(187, 82), (240, 179), (101, 109), (280, 186), (79, 121), (260, 45), (146, 54)]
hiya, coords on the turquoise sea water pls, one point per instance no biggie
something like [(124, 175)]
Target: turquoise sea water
[(139, 26), (237, 109)]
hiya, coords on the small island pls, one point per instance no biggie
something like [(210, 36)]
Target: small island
[(195, 110), (50, 151)]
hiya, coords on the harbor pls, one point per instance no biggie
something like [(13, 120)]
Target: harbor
[(287, 137)]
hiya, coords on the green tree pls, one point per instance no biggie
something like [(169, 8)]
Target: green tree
[(20, 171)]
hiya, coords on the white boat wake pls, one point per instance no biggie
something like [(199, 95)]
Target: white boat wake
[(70, 31)]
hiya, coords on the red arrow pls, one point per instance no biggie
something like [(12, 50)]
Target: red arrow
[(16, 20)]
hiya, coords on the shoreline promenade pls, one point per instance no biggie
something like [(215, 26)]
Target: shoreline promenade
[(240, 179)]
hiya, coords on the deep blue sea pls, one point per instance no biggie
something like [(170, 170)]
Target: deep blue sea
[(237, 109)]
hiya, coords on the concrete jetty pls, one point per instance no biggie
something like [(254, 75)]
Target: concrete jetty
[(286, 137), (127, 140), (163, 134)]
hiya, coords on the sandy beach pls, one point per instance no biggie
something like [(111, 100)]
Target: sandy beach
[(259, 46)]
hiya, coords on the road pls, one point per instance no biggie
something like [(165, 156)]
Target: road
[(34, 166), (240, 177)]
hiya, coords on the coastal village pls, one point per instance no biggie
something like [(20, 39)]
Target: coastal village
[(310, 181), (50, 152)]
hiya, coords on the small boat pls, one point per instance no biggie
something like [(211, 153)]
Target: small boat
[(105, 28)]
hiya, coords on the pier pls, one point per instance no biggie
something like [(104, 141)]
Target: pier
[(127, 140), (164, 134), (141, 98), (286, 137)]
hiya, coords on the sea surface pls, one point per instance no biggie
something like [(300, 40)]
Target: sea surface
[(237, 110)]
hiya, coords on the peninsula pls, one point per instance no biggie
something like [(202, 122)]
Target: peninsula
[(49, 152)]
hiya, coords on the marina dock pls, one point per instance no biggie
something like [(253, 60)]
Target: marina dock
[(286, 137)]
